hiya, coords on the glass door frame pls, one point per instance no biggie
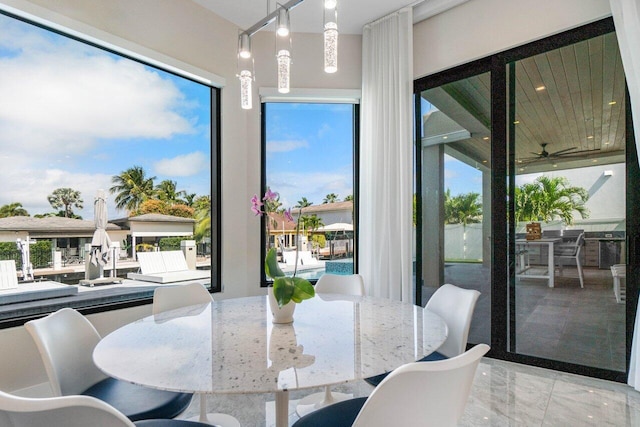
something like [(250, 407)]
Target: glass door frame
[(502, 206)]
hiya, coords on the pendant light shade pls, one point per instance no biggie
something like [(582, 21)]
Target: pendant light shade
[(282, 25), (284, 70), (330, 38), (244, 45), (330, 4), (245, 89)]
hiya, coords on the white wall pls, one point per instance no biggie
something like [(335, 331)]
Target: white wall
[(479, 28)]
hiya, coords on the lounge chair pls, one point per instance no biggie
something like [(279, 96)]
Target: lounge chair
[(11, 291), (166, 267)]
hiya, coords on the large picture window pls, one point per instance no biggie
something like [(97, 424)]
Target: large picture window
[(77, 120), (309, 155)]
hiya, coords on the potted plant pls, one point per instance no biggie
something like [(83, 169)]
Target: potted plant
[(285, 289)]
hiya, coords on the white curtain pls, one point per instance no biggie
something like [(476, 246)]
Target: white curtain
[(626, 17), (386, 157)]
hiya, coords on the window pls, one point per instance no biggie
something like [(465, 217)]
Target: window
[(76, 119), (309, 153)]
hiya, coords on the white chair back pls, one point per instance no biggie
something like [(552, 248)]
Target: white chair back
[(423, 394), (167, 298), (455, 305), (65, 340), (67, 411), (351, 284)]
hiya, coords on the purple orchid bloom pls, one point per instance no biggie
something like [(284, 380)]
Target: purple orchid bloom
[(270, 195), (255, 205), (287, 214)]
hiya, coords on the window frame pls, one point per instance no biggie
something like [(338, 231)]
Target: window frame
[(100, 304), (310, 96)]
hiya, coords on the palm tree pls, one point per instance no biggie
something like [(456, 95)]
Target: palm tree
[(66, 199), (189, 198), (549, 198), (167, 191), (466, 208), (349, 198), (303, 203), (330, 198), (132, 188), (202, 207), (13, 209)]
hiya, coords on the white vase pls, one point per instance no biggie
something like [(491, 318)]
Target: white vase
[(280, 315)]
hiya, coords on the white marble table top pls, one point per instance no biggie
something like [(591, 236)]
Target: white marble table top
[(231, 346)]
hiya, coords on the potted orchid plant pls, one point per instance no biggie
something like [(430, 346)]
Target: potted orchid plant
[(285, 288)]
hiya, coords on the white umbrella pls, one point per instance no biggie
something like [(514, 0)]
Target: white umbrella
[(100, 244), (338, 226)]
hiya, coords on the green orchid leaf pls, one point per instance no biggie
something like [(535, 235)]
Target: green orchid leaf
[(283, 289), (302, 290), (271, 267)]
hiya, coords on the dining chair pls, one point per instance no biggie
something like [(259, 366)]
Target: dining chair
[(65, 340), (570, 250), (167, 298), (71, 411), (456, 306), (351, 284), (415, 394)]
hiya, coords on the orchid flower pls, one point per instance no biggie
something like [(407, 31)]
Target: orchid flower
[(287, 214), (270, 195)]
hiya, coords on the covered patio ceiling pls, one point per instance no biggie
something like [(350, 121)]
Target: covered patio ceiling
[(571, 99)]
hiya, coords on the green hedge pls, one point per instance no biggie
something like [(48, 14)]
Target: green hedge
[(172, 243), (39, 253)]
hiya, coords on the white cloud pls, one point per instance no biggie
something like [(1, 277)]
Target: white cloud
[(182, 165), (285, 146), (58, 96)]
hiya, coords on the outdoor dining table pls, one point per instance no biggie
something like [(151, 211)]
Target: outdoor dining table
[(232, 346)]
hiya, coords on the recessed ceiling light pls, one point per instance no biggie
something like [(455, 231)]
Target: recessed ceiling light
[(486, 138), (590, 137), (484, 161), (555, 166), (521, 169), (606, 143), (613, 103), (445, 137), (594, 160), (541, 88), (516, 122), (519, 161)]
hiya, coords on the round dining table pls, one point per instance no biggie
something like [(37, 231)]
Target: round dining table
[(232, 346)]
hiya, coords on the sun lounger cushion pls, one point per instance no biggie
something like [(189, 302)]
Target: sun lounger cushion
[(166, 267), (8, 275)]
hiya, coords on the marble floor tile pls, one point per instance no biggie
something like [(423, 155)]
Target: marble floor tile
[(503, 394)]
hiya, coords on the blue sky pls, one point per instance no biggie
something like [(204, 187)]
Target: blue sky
[(72, 115), (309, 151)]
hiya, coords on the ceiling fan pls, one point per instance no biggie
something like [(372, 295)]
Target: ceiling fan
[(544, 154)]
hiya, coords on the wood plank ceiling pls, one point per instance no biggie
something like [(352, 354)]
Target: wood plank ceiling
[(571, 99)]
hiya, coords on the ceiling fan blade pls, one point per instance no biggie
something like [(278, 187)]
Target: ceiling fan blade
[(555, 153), (580, 153)]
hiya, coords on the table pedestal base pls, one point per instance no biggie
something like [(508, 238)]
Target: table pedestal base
[(221, 420), (320, 400)]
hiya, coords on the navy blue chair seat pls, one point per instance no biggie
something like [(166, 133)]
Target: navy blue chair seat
[(170, 423), (137, 402), (374, 381), (341, 414)]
